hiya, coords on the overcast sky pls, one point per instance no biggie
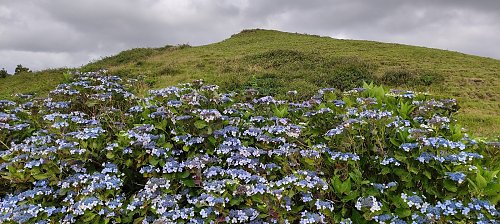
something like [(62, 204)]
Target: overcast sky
[(55, 33)]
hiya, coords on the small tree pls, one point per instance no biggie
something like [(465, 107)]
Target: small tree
[(20, 69), (3, 73)]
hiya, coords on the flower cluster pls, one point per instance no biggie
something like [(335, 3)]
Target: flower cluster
[(92, 151)]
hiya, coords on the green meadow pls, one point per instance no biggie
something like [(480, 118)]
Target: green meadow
[(276, 62)]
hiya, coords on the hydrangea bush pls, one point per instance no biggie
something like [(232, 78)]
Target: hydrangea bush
[(95, 152)]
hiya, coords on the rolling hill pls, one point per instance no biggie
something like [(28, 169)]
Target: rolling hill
[(275, 62)]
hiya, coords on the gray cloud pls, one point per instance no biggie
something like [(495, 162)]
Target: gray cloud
[(51, 33)]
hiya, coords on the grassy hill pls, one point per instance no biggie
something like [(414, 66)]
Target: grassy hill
[(275, 62)]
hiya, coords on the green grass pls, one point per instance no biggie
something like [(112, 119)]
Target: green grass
[(38, 83), (275, 62)]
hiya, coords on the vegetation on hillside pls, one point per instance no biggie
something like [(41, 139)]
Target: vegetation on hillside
[(3, 73), (95, 152), (276, 62), (21, 69)]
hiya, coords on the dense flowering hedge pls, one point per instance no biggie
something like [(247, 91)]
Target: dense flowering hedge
[(94, 152)]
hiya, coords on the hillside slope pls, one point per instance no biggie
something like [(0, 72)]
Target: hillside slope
[(275, 62)]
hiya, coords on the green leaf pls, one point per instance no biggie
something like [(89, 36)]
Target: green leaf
[(494, 173), (168, 145), (188, 183), (351, 196), (11, 169), (309, 161), (492, 190), (450, 185), (412, 169), (336, 182), (480, 181), (365, 182), (235, 201), (154, 161), (357, 217), (280, 112), (297, 209), (356, 176), (138, 220), (200, 124), (403, 212), (394, 142), (489, 175), (88, 217), (162, 125), (91, 103), (495, 199), (128, 163), (428, 174), (110, 155), (42, 176), (385, 170), (345, 187), (212, 140)]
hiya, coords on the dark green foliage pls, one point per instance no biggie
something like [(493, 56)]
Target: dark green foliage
[(348, 73), (265, 83), (411, 77), (429, 78), (3, 73), (21, 69)]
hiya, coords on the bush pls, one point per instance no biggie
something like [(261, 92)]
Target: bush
[(21, 69), (411, 77), (349, 73), (94, 152), (3, 73)]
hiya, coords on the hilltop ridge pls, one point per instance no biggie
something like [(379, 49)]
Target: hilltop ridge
[(275, 62)]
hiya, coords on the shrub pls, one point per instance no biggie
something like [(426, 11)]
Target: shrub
[(3, 73), (21, 69), (430, 78), (265, 83), (350, 73), (94, 152), (411, 77)]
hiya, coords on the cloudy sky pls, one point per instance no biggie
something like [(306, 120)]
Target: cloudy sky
[(54, 33)]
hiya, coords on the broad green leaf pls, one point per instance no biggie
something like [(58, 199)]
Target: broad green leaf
[(110, 155), (188, 183), (427, 174), (200, 124), (450, 185), (42, 176), (345, 187), (403, 212), (480, 181)]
